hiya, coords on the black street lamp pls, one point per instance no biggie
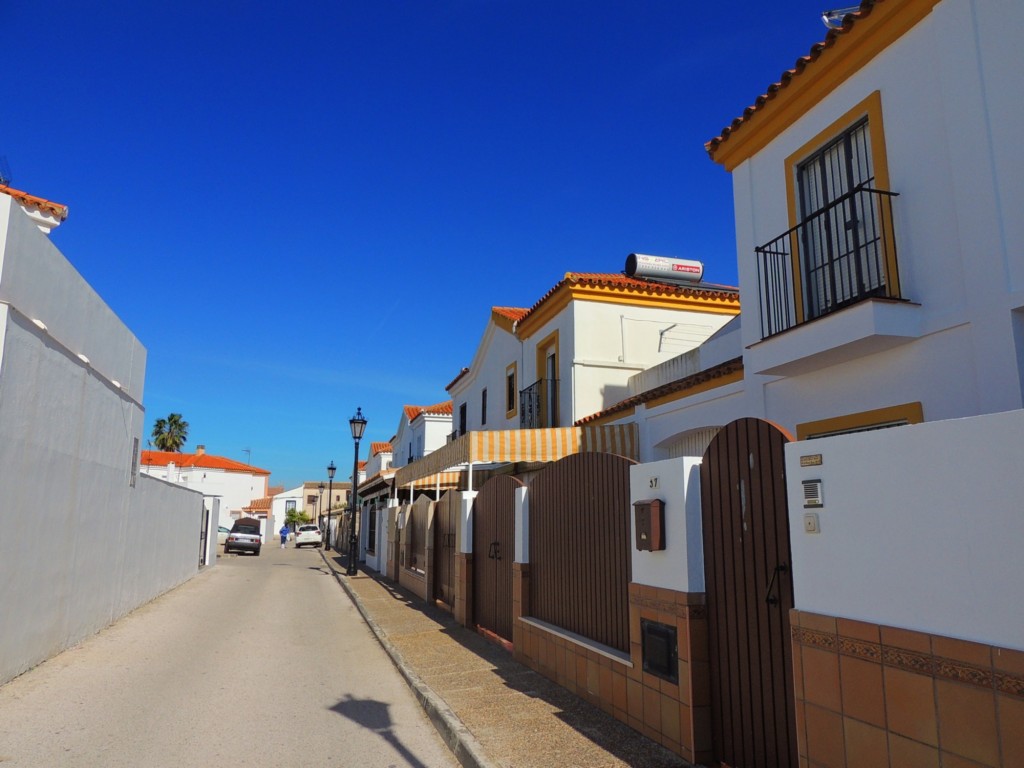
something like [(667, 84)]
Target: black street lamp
[(319, 507), (357, 424), (330, 492)]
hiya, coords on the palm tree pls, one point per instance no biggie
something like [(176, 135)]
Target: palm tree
[(171, 433)]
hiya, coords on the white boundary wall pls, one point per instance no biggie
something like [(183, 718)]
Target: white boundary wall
[(84, 541), (921, 528)]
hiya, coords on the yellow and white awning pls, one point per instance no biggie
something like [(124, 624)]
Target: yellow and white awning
[(518, 445)]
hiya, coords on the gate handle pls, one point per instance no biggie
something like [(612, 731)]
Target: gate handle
[(768, 596)]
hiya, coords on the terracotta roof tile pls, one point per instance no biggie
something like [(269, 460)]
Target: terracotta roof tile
[(440, 409), (512, 313), (58, 210), (258, 505), (200, 460), (616, 280), (376, 448), (833, 35), (679, 385)]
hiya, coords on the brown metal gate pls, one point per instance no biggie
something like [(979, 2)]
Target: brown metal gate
[(445, 520), (493, 553), (749, 595), (580, 547)]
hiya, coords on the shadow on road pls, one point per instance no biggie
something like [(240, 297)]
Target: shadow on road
[(374, 716)]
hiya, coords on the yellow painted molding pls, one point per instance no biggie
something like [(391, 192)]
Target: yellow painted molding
[(910, 413), (704, 386)]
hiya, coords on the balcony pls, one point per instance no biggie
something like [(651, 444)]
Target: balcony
[(838, 256), (842, 257), (538, 405)]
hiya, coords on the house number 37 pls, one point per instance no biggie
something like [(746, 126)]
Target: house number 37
[(654, 482)]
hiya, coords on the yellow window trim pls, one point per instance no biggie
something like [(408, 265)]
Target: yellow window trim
[(850, 52), (514, 370), (911, 413), (551, 340), (871, 108)]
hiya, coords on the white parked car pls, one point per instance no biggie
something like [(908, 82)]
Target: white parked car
[(308, 534), (222, 534)]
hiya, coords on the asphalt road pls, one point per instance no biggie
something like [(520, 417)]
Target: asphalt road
[(258, 661)]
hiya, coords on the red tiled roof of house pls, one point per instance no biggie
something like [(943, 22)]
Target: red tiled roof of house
[(361, 465), (274, 490), (200, 460), (833, 36), (512, 313), (258, 505), (376, 448), (615, 280), (58, 210), (679, 385), (440, 409)]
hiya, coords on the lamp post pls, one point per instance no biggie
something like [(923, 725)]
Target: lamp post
[(319, 506), (330, 492), (357, 424)]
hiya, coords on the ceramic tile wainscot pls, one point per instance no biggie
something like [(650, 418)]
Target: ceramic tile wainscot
[(887, 696)]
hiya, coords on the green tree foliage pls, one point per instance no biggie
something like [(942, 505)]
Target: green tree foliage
[(171, 433), (296, 517)]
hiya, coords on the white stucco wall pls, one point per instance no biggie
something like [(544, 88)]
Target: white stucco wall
[(949, 97), (82, 546), (498, 349), (921, 527), (235, 489), (680, 566)]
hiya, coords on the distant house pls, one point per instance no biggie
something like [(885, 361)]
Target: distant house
[(236, 484), (573, 352)]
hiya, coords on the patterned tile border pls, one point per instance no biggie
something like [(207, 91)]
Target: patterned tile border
[(912, 661)]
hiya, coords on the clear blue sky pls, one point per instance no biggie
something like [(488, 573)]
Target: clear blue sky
[(304, 208)]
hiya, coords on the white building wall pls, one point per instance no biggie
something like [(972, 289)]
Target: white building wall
[(498, 349), (236, 489), (920, 527), (950, 93)]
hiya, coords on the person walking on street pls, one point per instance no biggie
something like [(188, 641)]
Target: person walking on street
[(284, 535)]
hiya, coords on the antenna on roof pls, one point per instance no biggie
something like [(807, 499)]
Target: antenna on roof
[(5, 172), (248, 455), (834, 19)]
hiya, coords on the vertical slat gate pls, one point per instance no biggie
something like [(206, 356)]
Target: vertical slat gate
[(749, 594), (444, 548), (579, 547), (493, 554)]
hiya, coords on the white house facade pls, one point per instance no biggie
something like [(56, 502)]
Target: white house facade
[(236, 484)]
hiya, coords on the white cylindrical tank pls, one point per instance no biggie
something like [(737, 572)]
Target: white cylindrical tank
[(664, 268)]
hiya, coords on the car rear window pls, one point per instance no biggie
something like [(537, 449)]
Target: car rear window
[(251, 529)]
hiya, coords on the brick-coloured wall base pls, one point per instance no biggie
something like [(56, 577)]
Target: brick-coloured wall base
[(870, 695), (677, 715)]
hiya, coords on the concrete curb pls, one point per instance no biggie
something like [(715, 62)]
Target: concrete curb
[(453, 731)]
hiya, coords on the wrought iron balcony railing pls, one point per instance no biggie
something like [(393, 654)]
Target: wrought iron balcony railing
[(538, 405), (838, 256)]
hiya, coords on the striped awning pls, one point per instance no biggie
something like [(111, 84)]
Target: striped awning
[(514, 445)]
